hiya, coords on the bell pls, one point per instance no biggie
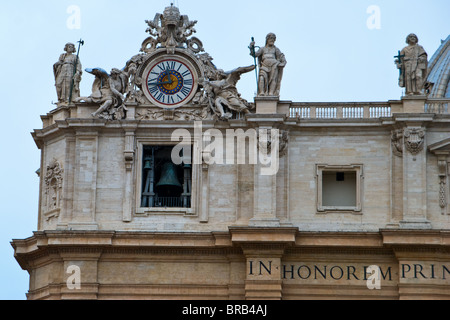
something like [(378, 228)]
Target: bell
[(169, 178), (147, 163)]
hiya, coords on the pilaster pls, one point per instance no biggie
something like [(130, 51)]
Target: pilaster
[(413, 145), (263, 249), (85, 182), (267, 167), (85, 266), (129, 154), (442, 152), (423, 258), (415, 178)]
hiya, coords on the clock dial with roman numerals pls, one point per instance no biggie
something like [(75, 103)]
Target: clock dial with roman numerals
[(170, 82)]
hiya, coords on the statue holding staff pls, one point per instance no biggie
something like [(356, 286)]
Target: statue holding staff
[(271, 66), (68, 73)]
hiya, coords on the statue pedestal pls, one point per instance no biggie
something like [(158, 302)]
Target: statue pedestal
[(414, 104), (267, 105)]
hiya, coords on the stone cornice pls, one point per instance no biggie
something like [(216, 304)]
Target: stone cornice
[(339, 239), (414, 117), (263, 235), (417, 238), (46, 246), (236, 235)]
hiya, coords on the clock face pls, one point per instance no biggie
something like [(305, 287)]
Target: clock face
[(170, 82)]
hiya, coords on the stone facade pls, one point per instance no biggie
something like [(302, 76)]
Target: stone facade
[(244, 235)]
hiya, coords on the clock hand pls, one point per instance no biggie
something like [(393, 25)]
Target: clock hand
[(161, 83), (169, 77), (170, 81)]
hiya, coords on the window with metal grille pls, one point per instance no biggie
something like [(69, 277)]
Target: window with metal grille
[(164, 184)]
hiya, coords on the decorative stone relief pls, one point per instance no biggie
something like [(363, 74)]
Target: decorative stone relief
[(442, 165), (284, 143), (414, 140), (203, 93), (186, 114), (53, 189), (265, 141), (131, 68), (441, 150), (442, 194), (397, 142), (209, 69), (171, 30)]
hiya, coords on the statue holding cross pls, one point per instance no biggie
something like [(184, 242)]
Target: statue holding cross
[(399, 63)]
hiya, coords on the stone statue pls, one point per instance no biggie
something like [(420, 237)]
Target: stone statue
[(64, 71), (271, 64), (224, 95), (413, 64), (130, 70), (108, 91)]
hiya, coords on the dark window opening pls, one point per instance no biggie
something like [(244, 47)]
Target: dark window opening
[(340, 176), (164, 184)]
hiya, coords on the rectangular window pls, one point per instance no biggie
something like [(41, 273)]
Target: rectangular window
[(164, 184), (339, 188)]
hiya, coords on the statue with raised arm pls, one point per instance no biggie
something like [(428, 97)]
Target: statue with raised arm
[(226, 97), (271, 66), (413, 64), (108, 91), (67, 68)]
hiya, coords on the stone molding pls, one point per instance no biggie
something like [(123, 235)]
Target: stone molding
[(267, 252)]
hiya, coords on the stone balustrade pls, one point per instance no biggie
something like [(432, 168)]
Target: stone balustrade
[(340, 111), (363, 110), (439, 106)]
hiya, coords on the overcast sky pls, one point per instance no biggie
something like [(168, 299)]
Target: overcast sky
[(336, 51)]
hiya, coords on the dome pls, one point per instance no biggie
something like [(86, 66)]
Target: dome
[(439, 71)]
